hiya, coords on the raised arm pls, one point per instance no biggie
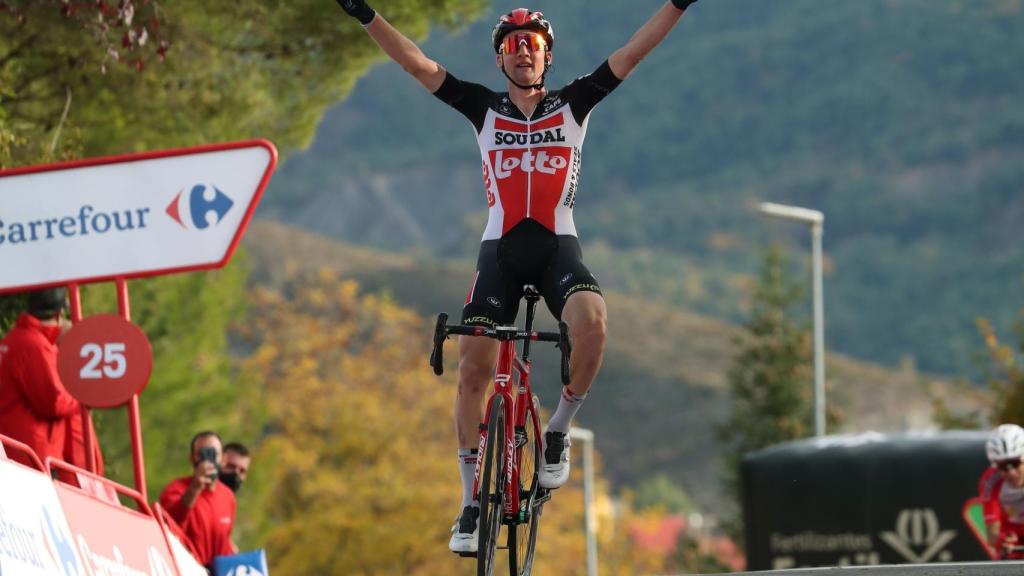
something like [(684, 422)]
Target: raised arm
[(623, 60), (402, 50)]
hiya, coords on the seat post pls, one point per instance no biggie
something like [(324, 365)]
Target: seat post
[(532, 296)]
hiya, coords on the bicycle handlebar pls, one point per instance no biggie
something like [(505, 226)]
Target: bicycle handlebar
[(506, 333)]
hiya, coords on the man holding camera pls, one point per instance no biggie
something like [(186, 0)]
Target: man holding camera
[(204, 508)]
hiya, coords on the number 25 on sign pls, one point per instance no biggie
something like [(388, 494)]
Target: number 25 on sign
[(104, 360), (110, 356)]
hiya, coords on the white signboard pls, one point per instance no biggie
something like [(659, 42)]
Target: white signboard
[(34, 534), (129, 216)]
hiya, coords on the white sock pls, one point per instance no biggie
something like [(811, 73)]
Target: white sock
[(467, 470), (568, 404)]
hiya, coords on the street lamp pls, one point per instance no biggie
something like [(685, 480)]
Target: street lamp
[(589, 519), (817, 222)]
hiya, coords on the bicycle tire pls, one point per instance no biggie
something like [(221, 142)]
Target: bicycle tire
[(491, 490), (522, 538)]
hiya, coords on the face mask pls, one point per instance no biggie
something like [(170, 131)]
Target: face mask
[(231, 480)]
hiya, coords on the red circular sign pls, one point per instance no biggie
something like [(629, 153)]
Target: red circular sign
[(104, 360)]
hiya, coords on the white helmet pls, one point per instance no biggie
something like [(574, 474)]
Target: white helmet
[(1005, 443)]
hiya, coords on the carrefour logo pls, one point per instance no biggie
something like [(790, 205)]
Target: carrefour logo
[(203, 206), (39, 548), (60, 547)]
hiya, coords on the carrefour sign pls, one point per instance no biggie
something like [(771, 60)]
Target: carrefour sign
[(129, 216)]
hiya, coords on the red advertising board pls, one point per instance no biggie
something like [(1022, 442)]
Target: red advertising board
[(114, 539)]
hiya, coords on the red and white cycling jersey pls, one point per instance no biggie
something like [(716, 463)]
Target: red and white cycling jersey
[(1001, 501), (531, 166)]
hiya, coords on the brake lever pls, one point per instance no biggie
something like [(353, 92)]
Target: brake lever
[(566, 347), (440, 334)]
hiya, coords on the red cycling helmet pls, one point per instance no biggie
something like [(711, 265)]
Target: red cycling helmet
[(522, 19)]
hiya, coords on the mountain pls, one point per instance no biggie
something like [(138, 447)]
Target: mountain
[(899, 119), (662, 391)]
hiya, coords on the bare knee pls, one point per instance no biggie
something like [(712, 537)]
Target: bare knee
[(475, 370), (587, 317), (589, 333)]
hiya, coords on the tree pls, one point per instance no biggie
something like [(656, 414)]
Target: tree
[(769, 378), (661, 492), (1004, 374), (10, 308), (232, 70), (1000, 366)]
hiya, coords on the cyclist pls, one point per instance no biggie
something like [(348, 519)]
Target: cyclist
[(1002, 491), (530, 139)]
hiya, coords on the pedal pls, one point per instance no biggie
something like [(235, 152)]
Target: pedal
[(543, 495), (467, 554), (520, 436)]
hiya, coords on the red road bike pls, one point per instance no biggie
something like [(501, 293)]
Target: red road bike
[(510, 440)]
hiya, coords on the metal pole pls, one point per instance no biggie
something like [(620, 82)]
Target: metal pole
[(75, 298), (816, 220), (134, 419), (589, 518), (819, 332)]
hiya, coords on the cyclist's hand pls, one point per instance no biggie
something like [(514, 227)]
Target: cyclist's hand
[(358, 9), (1009, 545)]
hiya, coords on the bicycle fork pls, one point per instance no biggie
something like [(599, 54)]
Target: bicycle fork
[(508, 462)]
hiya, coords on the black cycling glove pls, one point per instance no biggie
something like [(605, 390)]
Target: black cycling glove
[(683, 4), (359, 10)]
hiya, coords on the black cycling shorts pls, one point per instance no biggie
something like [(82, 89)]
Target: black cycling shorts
[(526, 254)]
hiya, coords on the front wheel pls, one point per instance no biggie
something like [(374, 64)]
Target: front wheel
[(522, 538), (491, 483)]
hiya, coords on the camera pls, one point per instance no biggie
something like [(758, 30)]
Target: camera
[(209, 454)]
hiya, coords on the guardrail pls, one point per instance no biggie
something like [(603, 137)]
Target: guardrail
[(1009, 568), (27, 454)]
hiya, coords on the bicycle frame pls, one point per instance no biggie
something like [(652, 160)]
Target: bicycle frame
[(512, 384)]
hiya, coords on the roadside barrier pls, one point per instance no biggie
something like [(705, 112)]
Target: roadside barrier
[(59, 519), (1013, 568)]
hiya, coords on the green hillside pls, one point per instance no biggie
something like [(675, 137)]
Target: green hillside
[(900, 119), (662, 390)]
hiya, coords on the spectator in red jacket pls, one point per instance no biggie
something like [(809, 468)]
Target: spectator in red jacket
[(203, 507), (34, 406)]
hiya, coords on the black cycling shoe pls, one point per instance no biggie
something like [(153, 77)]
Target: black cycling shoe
[(465, 532), (555, 471)]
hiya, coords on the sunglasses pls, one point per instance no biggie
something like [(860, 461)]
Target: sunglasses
[(1006, 465), (534, 42)]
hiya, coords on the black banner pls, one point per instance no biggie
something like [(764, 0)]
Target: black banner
[(862, 499)]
